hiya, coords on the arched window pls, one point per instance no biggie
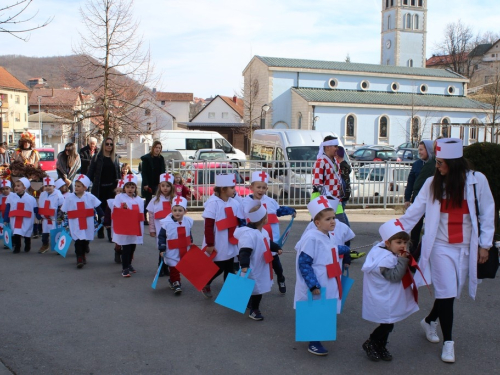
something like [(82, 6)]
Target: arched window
[(407, 21), (387, 3), (299, 121), (410, 63), (413, 3), (389, 22), (383, 127), (445, 127), (473, 130), (415, 22), (415, 129), (350, 126), (281, 125)]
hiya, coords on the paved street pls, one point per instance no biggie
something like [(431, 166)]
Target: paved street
[(55, 319)]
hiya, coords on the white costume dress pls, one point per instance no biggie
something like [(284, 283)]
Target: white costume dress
[(122, 239), (319, 247), (460, 260), (215, 209), (26, 204), (384, 301), (273, 225), (172, 255), (55, 200), (160, 210), (72, 203), (261, 271)]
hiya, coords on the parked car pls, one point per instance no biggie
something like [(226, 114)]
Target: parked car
[(375, 153), (173, 159), (408, 154), (407, 145), (47, 158), (201, 179), (375, 179), (209, 154)]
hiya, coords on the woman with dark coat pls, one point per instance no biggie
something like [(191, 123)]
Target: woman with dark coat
[(153, 165), (104, 172)]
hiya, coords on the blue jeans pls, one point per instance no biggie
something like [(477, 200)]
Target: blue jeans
[(45, 238)]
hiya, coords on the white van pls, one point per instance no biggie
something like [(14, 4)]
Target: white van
[(188, 141), (293, 153)]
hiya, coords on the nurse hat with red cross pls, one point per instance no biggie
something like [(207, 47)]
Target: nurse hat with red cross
[(83, 179), (168, 177), (130, 178), (47, 181), (225, 180), (389, 229), (256, 215), (317, 205), (59, 183), (449, 148), (5, 183), (25, 182), (260, 176), (180, 201)]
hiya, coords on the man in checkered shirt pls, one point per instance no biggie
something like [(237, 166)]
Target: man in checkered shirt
[(326, 177)]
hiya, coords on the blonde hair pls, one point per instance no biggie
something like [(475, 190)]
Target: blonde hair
[(158, 191), (177, 174), (112, 153)]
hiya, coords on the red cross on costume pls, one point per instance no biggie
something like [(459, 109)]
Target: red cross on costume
[(3, 205), (167, 209), (399, 224), (47, 180), (4, 183), (322, 200), (19, 214), (268, 258), (130, 177), (455, 219), (47, 212), (135, 207), (81, 213), (271, 219), (263, 176), (230, 223), (182, 242), (409, 280), (333, 271)]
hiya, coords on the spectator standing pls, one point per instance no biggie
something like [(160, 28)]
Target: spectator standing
[(87, 153), (153, 165), (345, 171), (421, 170), (4, 155), (104, 172), (26, 152), (68, 163)]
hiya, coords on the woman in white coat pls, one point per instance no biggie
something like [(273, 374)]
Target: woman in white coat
[(452, 245)]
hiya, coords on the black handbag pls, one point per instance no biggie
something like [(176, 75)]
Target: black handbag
[(488, 269)]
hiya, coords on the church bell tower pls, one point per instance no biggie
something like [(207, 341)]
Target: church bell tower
[(404, 29)]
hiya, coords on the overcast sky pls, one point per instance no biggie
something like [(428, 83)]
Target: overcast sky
[(202, 46)]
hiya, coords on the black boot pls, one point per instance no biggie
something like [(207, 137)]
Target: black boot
[(108, 231), (100, 232), (371, 350), (385, 355), (27, 244)]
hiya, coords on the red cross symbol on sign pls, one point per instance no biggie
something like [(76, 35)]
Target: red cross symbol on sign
[(167, 208), (81, 177), (322, 200), (230, 223), (61, 242), (130, 177), (263, 176), (182, 242), (19, 214), (455, 219), (399, 224), (47, 212), (333, 271), (1, 230), (47, 180), (4, 183), (81, 213), (178, 200)]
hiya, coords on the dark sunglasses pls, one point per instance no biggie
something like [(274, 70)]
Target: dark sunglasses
[(109, 144), (67, 149)]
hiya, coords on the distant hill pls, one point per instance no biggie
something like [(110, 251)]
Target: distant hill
[(57, 70)]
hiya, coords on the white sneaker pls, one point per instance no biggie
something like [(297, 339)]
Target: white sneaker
[(430, 330), (448, 354)]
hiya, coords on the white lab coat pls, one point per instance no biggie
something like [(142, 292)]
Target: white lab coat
[(56, 200), (70, 204), (384, 301), (122, 239), (154, 207), (29, 205), (425, 204), (172, 255), (271, 207), (319, 247), (260, 270)]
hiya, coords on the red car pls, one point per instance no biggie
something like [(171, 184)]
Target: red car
[(47, 159), (202, 179)]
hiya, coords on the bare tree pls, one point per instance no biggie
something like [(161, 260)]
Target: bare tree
[(491, 96), (112, 58), (14, 21)]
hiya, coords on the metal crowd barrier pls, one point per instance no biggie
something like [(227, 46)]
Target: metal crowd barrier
[(374, 184)]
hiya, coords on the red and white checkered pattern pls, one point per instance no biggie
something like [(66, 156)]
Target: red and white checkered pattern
[(324, 175)]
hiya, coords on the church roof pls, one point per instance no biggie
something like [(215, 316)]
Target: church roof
[(386, 98), (356, 67)]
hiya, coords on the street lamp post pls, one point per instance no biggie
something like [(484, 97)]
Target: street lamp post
[(263, 111), (40, 118)]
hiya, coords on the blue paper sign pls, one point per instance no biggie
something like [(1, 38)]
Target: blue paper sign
[(316, 320), (97, 229), (284, 236), (7, 236), (63, 243), (236, 292), (346, 287), (155, 281), (54, 237)]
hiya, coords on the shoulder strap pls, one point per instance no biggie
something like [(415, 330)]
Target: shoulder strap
[(477, 206)]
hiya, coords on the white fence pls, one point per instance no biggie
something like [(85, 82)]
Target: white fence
[(374, 184)]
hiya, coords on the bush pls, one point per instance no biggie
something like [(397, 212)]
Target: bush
[(485, 158)]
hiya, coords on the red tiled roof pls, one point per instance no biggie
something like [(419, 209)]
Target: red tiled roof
[(174, 96), (8, 81), (443, 60), (238, 106), (55, 97)]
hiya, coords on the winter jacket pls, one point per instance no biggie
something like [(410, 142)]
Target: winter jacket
[(85, 158), (150, 176), (95, 170)]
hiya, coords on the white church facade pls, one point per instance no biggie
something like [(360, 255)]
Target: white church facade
[(368, 103)]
